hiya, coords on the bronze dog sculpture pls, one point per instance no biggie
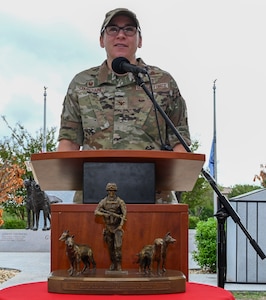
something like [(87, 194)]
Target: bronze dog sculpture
[(155, 253), (77, 253)]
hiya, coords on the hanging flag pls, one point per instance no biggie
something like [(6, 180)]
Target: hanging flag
[(211, 160)]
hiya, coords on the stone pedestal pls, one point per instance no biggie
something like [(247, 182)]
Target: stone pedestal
[(22, 240)]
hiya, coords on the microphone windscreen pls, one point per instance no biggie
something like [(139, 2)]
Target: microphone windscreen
[(117, 65)]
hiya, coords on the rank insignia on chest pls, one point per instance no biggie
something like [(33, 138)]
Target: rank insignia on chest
[(90, 83)]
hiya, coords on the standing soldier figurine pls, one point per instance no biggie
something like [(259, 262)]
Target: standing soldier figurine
[(113, 209)]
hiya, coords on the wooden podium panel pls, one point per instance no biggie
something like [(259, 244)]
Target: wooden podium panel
[(177, 171), (145, 222)]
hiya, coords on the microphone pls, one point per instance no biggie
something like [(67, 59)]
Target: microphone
[(121, 65)]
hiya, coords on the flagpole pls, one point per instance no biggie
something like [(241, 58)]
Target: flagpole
[(218, 213), (44, 121), (215, 205)]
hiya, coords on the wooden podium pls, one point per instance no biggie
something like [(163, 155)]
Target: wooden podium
[(145, 222)]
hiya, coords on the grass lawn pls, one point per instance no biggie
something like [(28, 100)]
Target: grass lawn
[(249, 295)]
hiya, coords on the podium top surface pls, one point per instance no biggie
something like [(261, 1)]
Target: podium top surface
[(64, 170)]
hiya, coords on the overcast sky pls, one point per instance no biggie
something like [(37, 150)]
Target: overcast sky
[(45, 43)]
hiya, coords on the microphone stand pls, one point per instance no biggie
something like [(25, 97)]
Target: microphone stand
[(225, 209)]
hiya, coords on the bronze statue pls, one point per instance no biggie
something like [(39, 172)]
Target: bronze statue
[(155, 253), (37, 200), (113, 209), (76, 253), (147, 255), (29, 205)]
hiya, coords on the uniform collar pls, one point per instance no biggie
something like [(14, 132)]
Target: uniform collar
[(108, 76)]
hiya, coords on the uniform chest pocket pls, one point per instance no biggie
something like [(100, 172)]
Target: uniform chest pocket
[(132, 110), (92, 114)]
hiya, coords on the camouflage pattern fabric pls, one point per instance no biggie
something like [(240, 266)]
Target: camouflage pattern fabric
[(104, 111)]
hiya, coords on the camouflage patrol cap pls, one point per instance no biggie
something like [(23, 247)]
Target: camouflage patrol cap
[(111, 187), (119, 11)]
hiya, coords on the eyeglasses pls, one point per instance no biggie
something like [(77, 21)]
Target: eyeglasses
[(114, 30)]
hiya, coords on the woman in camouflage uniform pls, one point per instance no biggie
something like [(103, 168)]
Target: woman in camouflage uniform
[(105, 110)]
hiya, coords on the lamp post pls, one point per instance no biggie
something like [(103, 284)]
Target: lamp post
[(44, 121)]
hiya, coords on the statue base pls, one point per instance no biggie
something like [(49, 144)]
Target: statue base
[(116, 273), (130, 282)]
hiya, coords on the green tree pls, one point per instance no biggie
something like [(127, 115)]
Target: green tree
[(21, 144), (200, 199), (239, 189), (18, 148)]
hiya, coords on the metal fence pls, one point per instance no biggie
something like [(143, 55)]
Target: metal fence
[(243, 263)]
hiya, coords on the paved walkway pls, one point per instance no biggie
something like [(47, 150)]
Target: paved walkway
[(35, 266)]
